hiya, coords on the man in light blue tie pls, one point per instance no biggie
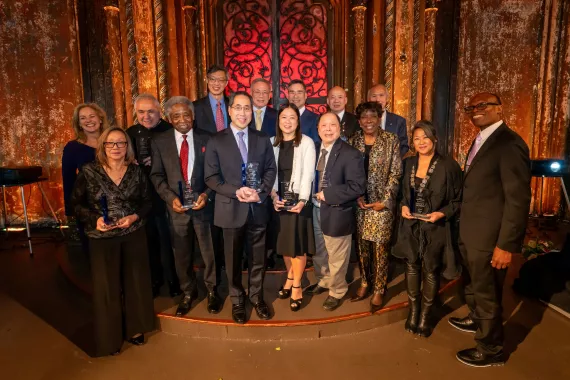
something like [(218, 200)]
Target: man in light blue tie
[(241, 208)]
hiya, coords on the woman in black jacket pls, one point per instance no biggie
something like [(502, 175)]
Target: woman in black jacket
[(431, 195)]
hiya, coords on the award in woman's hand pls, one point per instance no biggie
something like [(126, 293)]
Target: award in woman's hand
[(418, 205), (250, 176), (287, 195), (187, 195), (110, 217)]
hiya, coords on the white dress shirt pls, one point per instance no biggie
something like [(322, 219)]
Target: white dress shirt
[(179, 139), (341, 114), (301, 110), (487, 132), (383, 121)]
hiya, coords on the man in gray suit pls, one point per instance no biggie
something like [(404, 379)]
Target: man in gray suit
[(178, 166)]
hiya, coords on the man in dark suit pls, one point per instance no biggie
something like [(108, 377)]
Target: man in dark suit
[(212, 109), (340, 180), (390, 122), (297, 94), (242, 211), (336, 100), (147, 110), (264, 117), (178, 166), (492, 226)]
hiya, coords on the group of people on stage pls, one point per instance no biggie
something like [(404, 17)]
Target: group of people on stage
[(240, 177)]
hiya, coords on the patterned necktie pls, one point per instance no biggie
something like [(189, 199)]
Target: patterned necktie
[(242, 147), (258, 121), (321, 167), (474, 150), (184, 158), (219, 117)]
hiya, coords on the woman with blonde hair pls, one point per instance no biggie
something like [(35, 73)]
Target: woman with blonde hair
[(111, 197)]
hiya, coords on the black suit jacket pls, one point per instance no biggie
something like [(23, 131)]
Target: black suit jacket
[(347, 182), (223, 168), (496, 194), (309, 125), (349, 124), (204, 118), (269, 122), (396, 124), (166, 173)]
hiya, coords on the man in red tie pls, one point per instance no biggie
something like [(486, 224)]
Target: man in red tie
[(178, 176), (212, 109)]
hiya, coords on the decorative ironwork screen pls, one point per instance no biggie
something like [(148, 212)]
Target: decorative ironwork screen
[(247, 41), (301, 27), (303, 49)]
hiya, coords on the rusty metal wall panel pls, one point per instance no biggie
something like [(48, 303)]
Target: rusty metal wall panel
[(40, 85)]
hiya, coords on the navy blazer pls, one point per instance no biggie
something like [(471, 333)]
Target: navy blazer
[(269, 124), (396, 124), (309, 125), (223, 173), (347, 182), (204, 117)]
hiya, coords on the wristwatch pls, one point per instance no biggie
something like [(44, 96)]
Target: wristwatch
[(303, 200)]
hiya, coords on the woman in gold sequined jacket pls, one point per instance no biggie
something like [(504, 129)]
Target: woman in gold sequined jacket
[(376, 209)]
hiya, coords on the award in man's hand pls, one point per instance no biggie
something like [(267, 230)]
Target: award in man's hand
[(187, 195), (143, 148), (250, 176), (287, 195), (320, 183)]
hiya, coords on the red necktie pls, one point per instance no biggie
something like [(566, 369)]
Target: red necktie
[(219, 117), (184, 158)]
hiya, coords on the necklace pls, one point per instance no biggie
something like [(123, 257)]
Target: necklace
[(425, 179)]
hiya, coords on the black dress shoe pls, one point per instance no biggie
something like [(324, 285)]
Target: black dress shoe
[(262, 310), (331, 303), (116, 352), (137, 341), (214, 303), (238, 313), (186, 303), (472, 357), (315, 289), (270, 263), (464, 324), (174, 289)]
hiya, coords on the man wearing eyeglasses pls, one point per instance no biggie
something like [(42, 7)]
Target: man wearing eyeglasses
[(297, 94), (212, 110), (149, 123), (264, 117), (390, 122), (240, 167), (492, 226)]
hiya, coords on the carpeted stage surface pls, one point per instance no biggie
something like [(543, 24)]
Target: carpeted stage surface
[(45, 332)]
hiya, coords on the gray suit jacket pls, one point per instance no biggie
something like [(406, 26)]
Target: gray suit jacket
[(166, 173)]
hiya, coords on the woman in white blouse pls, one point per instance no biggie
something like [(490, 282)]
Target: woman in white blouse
[(295, 157)]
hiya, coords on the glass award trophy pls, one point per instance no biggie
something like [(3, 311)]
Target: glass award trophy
[(418, 205), (287, 195), (111, 215), (250, 176), (143, 148), (187, 195), (320, 183)]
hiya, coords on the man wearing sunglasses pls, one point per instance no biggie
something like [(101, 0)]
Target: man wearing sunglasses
[(212, 109), (494, 212)]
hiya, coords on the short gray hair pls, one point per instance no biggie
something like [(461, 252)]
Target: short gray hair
[(147, 96), (177, 100), (262, 80)]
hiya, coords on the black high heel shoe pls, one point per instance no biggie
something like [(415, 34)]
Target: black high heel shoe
[(283, 293), (295, 305)]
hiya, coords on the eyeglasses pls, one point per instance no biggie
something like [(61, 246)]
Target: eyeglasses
[(118, 144), (479, 107), (240, 108), (217, 80)]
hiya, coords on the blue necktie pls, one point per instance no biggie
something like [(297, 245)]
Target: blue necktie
[(242, 147)]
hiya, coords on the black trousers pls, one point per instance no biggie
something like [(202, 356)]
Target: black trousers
[(122, 291), (183, 244), (483, 287), (234, 241), (160, 248)]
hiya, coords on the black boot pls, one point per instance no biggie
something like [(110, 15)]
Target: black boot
[(413, 283), (429, 292)]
